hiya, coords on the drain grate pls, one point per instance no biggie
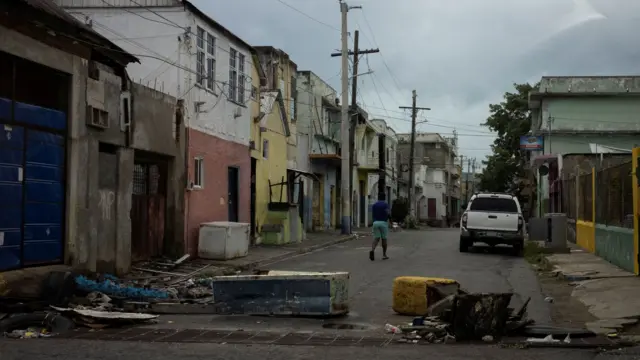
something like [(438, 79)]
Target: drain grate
[(230, 337)]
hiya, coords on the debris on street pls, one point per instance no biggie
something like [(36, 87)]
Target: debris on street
[(102, 319), (446, 313), (29, 333), (175, 287), (35, 325)]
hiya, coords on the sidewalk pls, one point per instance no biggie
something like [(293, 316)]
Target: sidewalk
[(610, 293)]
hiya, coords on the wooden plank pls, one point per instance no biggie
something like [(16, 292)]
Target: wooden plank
[(186, 277), (153, 271)]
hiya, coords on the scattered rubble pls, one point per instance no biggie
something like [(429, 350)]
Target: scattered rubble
[(108, 301), (464, 316), (68, 300)]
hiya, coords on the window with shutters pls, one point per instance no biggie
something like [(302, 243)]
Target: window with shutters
[(238, 79), (233, 73), (205, 59)]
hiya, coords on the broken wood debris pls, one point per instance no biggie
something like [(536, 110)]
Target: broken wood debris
[(463, 316)]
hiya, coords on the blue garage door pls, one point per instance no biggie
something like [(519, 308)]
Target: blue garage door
[(32, 158)]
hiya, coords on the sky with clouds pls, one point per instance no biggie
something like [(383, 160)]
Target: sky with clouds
[(459, 56)]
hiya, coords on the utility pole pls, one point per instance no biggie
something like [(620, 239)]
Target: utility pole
[(461, 171), (473, 171), (549, 122), (466, 182), (448, 166), (414, 115), (353, 120), (344, 125), (349, 135)]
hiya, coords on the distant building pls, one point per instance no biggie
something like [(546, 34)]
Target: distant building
[(441, 192)]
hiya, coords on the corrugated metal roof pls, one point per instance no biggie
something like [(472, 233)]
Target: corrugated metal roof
[(85, 33), (51, 8)]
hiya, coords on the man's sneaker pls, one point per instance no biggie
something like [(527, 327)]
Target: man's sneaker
[(372, 255), (385, 257)]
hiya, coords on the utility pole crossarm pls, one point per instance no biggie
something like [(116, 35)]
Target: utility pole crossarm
[(412, 108), (359, 52)]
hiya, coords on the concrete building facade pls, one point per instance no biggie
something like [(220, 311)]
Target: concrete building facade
[(75, 131), (280, 74), (389, 152), (441, 192), (204, 64), (576, 115), (318, 124)]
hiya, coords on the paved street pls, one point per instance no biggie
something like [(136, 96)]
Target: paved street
[(83, 350), (419, 253), (423, 253)]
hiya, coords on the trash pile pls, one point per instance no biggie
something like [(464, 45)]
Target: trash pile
[(462, 316), (68, 300)]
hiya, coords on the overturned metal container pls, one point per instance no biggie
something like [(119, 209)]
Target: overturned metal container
[(290, 293)]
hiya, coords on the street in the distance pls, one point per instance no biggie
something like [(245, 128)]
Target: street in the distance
[(428, 253)]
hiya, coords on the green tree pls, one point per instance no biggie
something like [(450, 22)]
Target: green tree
[(510, 119)]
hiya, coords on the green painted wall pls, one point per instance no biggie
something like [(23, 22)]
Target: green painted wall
[(615, 244), (579, 143), (608, 113)]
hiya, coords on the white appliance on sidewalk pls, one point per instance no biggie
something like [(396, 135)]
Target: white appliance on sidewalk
[(223, 240)]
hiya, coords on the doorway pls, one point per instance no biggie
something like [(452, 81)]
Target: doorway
[(253, 199), (33, 167), (316, 203), (363, 204), (148, 206), (233, 179), (301, 203), (431, 208)]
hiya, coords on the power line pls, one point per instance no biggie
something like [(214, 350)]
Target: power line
[(308, 16), (187, 30), (364, 16)]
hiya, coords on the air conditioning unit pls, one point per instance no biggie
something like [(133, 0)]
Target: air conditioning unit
[(97, 118), (237, 112)]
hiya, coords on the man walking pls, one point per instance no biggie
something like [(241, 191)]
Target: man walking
[(381, 215)]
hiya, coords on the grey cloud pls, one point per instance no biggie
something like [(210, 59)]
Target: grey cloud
[(459, 55)]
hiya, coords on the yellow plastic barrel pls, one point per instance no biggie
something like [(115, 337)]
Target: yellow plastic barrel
[(410, 295)]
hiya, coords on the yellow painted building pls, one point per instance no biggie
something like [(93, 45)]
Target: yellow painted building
[(281, 74), (273, 141), (269, 134)]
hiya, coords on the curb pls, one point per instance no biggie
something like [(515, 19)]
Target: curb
[(285, 256)]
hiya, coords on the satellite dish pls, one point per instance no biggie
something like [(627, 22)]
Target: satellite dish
[(543, 170)]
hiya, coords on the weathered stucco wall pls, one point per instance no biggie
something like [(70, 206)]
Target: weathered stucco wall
[(99, 166), (158, 127)]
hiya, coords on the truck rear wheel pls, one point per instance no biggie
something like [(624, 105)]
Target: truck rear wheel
[(518, 249), (464, 244)]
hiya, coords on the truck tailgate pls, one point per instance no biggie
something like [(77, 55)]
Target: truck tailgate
[(488, 220)]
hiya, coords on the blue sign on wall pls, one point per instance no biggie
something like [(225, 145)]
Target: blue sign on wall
[(528, 142)]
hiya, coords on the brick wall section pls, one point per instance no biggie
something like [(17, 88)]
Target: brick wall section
[(210, 203)]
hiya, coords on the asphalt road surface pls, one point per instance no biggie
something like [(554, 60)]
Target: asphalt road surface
[(419, 253), (97, 350), (432, 253)]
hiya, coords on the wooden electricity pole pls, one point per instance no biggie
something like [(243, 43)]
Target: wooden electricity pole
[(356, 52), (414, 114)]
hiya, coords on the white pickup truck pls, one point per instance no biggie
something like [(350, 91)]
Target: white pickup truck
[(492, 219)]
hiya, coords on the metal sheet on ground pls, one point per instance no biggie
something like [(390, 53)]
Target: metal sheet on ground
[(283, 293)]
